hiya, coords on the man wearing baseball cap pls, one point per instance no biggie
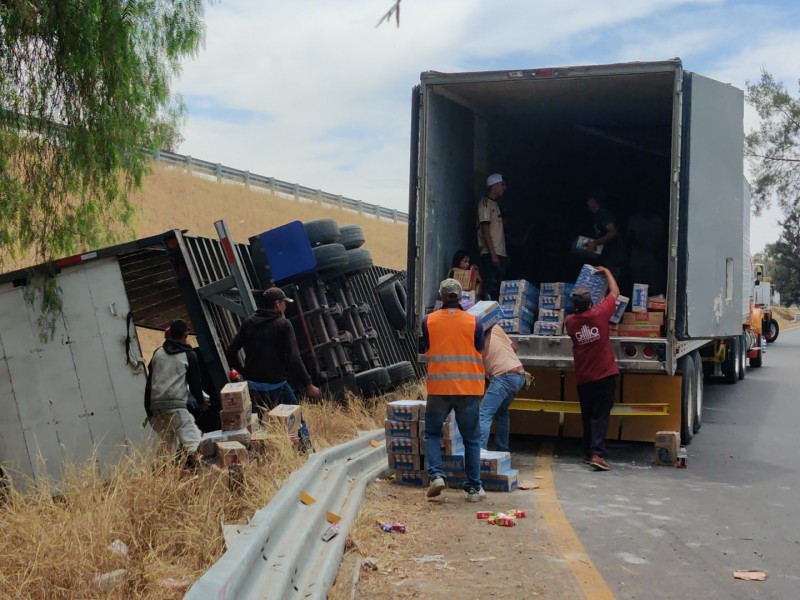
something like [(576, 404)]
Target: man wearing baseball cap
[(453, 339), (493, 261), (596, 367), (272, 357)]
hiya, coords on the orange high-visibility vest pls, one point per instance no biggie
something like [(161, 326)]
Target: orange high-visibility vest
[(455, 367)]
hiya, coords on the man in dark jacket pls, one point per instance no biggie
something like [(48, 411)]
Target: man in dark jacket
[(271, 357), (173, 369)]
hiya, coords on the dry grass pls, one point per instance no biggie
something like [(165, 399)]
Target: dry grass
[(784, 316), (54, 548)]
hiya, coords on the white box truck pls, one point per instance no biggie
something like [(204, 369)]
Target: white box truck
[(640, 131)]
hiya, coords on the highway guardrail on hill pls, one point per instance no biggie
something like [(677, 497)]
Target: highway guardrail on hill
[(278, 187)]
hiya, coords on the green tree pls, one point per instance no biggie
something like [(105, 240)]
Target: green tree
[(773, 149), (784, 256), (84, 95)]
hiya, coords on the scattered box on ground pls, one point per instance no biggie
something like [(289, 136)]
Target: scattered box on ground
[(235, 395), (501, 482), (667, 445), (230, 454), (288, 414), (495, 462)]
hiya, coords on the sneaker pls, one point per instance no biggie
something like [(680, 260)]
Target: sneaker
[(599, 463), (474, 495), (587, 460), (436, 487)]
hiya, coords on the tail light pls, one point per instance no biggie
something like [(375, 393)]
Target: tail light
[(630, 351), (649, 352)]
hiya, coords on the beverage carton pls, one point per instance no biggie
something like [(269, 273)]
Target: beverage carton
[(407, 462), (487, 313), (406, 410), (236, 419), (551, 316), (235, 396), (595, 281), (230, 454), (544, 328), (418, 478), (289, 415), (517, 287), (559, 288), (639, 297), (402, 429), (667, 444), (495, 462), (397, 445), (643, 319), (619, 310), (556, 303)]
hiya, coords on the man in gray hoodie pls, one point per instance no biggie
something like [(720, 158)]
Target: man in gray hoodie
[(173, 367)]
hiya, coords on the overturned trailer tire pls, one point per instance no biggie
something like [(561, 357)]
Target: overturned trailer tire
[(322, 231), (352, 236), (393, 300), (373, 381)]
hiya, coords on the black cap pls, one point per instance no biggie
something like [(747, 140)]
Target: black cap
[(273, 294)]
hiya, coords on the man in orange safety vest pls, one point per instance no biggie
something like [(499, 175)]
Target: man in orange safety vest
[(453, 339)]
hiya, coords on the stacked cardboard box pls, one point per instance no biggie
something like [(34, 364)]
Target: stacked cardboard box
[(405, 440), (641, 324), (555, 302), (518, 300), (237, 409), (496, 472)]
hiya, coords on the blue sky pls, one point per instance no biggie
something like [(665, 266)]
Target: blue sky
[(309, 91)]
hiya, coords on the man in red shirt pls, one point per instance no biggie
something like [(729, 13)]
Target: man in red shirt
[(595, 366)]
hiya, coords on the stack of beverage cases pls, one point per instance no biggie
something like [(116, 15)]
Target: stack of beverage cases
[(405, 444)]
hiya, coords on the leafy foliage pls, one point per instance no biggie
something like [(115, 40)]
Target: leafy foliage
[(784, 256), (774, 148), (84, 94)]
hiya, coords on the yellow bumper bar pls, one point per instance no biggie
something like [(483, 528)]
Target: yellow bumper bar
[(642, 409)]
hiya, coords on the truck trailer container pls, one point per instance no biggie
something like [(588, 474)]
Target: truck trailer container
[(639, 131)]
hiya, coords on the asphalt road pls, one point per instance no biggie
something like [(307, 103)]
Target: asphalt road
[(659, 532)]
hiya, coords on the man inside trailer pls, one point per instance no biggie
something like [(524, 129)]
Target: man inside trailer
[(606, 234), (493, 262)]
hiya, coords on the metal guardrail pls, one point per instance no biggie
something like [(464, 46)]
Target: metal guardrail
[(280, 553), (278, 187)]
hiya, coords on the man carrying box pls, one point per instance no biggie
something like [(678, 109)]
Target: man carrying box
[(271, 357), (506, 379), (453, 339), (595, 366), (174, 366)]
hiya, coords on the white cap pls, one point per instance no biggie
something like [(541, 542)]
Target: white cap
[(492, 179)]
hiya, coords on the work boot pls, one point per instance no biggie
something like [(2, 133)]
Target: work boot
[(436, 487), (599, 463)]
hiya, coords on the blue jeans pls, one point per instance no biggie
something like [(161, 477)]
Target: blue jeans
[(267, 396), (498, 397), (466, 409)]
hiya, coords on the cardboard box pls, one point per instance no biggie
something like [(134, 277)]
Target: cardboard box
[(520, 326), (667, 444), (208, 443), (619, 310), (639, 303), (657, 304), (290, 415), (555, 303), (235, 395), (487, 312), (406, 462), (501, 482), (406, 410), (452, 447), (643, 319), (255, 423), (230, 454), (641, 332), (551, 316), (595, 281), (259, 441), (453, 463), (418, 478), (517, 312), (518, 287), (240, 435), (558, 288), (449, 430), (401, 429), (542, 328), (495, 462), (234, 420), (403, 446), (582, 243)]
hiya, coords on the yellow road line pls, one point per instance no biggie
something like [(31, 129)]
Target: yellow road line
[(589, 579)]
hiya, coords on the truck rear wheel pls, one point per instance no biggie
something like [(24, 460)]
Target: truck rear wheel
[(730, 366), (698, 390), (742, 356), (688, 388), (771, 331), (755, 362)]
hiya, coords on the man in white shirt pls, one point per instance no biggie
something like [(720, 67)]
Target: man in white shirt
[(493, 262)]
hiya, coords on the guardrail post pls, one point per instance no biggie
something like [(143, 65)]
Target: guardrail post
[(188, 162), (339, 201), (247, 179), (319, 196), (218, 170), (360, 206), (272, 185), (394, 215), (157, 156), (297, 191)]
